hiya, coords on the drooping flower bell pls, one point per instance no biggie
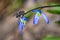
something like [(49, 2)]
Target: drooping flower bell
[(21, 24), (37, 16), (45, 18)]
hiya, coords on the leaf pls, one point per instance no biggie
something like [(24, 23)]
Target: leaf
[(57, 22)]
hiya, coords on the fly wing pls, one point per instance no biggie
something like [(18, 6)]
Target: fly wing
[(45, 18)]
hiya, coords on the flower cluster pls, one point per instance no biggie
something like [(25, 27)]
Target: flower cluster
[(23, 19), (37, 16)]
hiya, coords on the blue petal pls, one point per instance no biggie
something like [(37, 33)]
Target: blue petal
[(34, 10), (20, 27), (24, 18), (20, 24), (35, 20), (37, 11), (45, 18), (40, 11), (36, 17)]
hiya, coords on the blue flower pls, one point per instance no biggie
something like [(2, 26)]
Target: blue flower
[(21, 24), (37, 16), (45, 18), (20, 27)]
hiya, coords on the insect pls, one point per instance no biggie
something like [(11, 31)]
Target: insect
[(22, 18)]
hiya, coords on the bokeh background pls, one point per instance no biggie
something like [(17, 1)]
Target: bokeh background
[(41, 31)]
